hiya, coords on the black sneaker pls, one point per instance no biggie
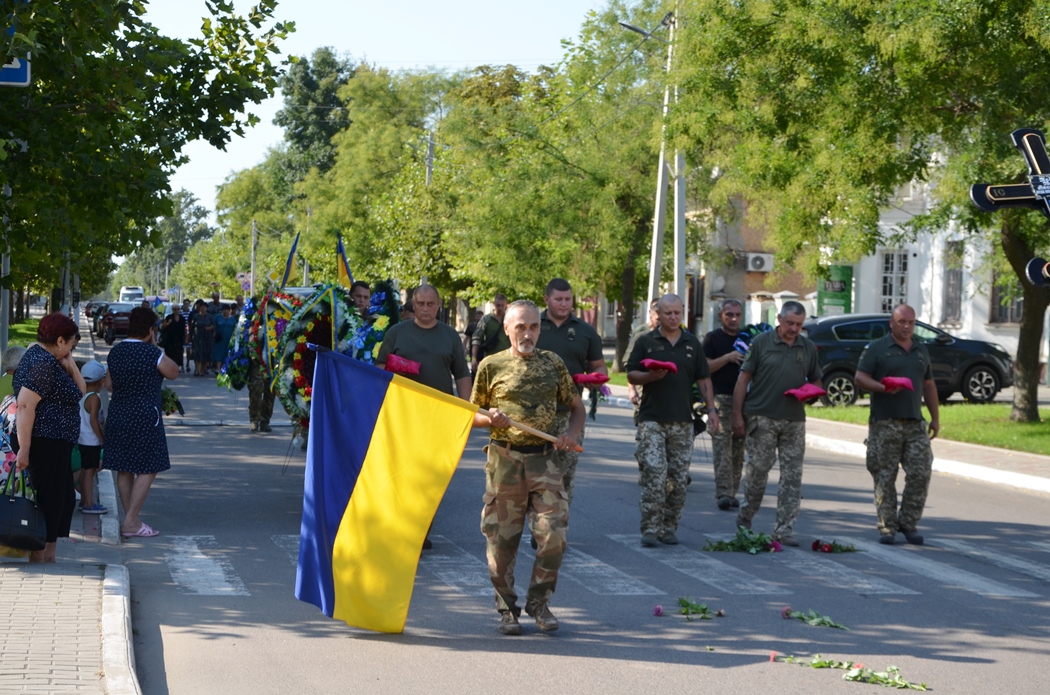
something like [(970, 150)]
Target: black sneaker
[(912, 536), (887, 538), (788, 540), (545, 620), (668, 539), (734, 502), (649, 540), (725, 503), (508, 624), (264, 427), (427, 543)]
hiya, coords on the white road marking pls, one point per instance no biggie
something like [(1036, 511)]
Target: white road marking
[(999, 559), (289, 544), (596, 576), (1041, 545), (940, 572), (700, 565), (197, 573), (456, 567)]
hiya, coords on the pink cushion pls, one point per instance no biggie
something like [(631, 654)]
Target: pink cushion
[(399, 365), (895, 381), (805, 392), (657, 364), (590, 379)]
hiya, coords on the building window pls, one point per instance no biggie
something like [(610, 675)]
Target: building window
[(610, 309), (953, 279), (894, 279), (1007, 300)]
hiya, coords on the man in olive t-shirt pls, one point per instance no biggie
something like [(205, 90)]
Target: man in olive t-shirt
[(779, 360), (897, 434)]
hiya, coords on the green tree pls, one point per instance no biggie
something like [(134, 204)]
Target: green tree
[(816, 112), (89, 147)]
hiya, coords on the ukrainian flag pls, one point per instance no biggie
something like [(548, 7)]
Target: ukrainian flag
[(346, 278), (381, 453)]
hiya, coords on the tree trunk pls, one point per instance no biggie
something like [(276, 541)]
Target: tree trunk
[(20, 303), (1036, 300)]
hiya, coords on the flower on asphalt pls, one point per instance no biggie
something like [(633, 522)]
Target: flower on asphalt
[(826, 548), (772, 656), (775, 546), (786, 613), (816, 544), (658, 610)]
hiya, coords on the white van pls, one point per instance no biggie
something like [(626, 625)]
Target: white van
[(132, 293)]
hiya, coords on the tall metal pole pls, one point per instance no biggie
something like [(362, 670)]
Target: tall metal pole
[(430, 157), (5, 273), (254, 244)]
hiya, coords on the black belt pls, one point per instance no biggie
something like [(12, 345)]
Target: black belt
[(522, 448)]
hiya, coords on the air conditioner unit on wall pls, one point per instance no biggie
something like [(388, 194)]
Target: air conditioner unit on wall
[(759, 262)]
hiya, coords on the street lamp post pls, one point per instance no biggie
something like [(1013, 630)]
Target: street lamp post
[(660, 214)]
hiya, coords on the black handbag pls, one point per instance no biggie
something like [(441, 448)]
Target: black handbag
[(22, 523)]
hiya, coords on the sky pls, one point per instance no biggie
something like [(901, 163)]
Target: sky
[(410, 34)]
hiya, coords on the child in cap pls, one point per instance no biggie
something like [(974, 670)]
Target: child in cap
[(91, 437)]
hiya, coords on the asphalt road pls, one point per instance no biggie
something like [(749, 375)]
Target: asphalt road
[(214, 611)]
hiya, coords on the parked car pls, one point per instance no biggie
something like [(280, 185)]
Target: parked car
[(115, 324), (89, 307), (976, 368), (97, 316)]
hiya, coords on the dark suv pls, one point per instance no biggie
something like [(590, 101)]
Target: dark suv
[(974, 367), (115, 323)]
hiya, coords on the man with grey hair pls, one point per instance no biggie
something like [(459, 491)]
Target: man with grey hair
[(523, 477), (724, 353), (665, 417), (8, 364), (773, 420)]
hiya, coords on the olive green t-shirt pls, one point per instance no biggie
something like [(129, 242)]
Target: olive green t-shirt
[(776, 367), (438, 349), (669, 399), (488, 326), (528, 389), (885, 357), (574, 341)]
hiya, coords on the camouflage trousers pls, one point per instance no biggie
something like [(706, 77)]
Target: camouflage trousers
[(664, 451), (260, 396), (767, 439), (567, 459), (517, 486), (904, 444), (727, 449)]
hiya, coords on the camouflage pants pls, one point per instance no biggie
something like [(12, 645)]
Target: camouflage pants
[(517, 486), (664, 451), (903, 443), (260, 396), (727, 449), (567, 459), (768, 438)]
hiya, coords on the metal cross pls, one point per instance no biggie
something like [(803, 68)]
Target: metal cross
[(1034, 195)]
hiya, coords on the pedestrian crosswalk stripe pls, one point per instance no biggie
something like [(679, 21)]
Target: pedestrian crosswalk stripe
[(698, 565), (838, 575), (938, 571), (596, 576), (197, 573), (999, 559), (289, 544), (456, 567), (1041, 545)]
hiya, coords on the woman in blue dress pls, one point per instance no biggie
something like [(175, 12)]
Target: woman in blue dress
[(135, 444), (225, 324)]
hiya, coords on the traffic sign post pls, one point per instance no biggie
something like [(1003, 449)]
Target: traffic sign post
[(15, 73)]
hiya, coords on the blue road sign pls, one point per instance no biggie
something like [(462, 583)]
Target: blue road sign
[(15, 73)]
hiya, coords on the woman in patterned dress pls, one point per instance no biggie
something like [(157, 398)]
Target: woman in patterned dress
[(135, 444), (48, 388)]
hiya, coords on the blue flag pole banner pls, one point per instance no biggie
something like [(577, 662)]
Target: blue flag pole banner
[(371, 489), (291, 260)]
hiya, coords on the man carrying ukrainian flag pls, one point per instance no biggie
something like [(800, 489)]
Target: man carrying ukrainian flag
[(523, 477)]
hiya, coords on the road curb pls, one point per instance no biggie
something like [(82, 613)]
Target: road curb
[(107, 492), (940, 465), (118, 650)]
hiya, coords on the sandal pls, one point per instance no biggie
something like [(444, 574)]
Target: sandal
[(145, 531)]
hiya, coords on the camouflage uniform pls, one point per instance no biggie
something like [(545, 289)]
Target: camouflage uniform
[(727, 449), (260, 396), (522, 476), (766, 438), (903, 443), (664, 452)]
